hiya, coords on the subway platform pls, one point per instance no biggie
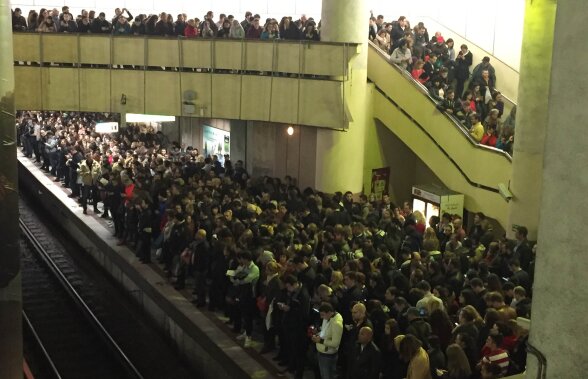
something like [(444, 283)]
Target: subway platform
[(199, 335)]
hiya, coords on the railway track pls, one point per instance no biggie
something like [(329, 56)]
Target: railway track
[(77, 323), (74, 342)]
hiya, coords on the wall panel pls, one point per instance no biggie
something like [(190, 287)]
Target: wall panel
[(226, 96), (284, 100), (163, 52), (27, 94), (132, 84), (288, 57), (128, 51), (228, 54), (26, 47), (259, 55), (62, 91), (197, 53), (321, 103), (94, 49), (94, 90), (321, 59), (256, 102), (60, 47), (201, 84), (162, 93)]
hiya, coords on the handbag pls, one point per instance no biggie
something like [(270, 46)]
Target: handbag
[(262, 304)]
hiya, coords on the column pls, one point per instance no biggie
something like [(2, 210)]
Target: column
[(559, 324), (531, 121), (340, 154), (10, 285)]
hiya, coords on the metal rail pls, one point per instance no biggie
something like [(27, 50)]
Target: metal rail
[(90, 316), (48, 360)]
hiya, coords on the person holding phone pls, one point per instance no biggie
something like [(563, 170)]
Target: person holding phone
[(328, 340)]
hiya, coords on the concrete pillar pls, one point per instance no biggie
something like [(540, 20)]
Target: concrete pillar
[(10, 284), (340, 155), (531, 121), (559, 323)]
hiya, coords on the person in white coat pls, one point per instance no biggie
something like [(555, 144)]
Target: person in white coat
[(328, 340)]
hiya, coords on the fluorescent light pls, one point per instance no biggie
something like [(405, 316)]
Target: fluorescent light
[(133, 117), (107, 127)]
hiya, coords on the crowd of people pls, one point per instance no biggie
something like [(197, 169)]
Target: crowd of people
[(164, 25), (470, 98), (350, 287)]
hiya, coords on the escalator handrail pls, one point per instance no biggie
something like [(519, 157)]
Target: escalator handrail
[(426, 93)]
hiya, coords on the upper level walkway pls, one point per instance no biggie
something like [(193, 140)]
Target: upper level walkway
[(299, 83)]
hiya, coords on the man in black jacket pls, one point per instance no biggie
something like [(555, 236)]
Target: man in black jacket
[(351, 335), (19, 23), (200, 262), (177, 242), (365, 360), (144, 245), (463, 61), (523, 248), (417, 326), (294, 323), (100, 25), (73, 162)]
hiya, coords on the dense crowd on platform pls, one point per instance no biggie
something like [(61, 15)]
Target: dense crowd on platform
[(164, 25), (350, 286), (435, 63)]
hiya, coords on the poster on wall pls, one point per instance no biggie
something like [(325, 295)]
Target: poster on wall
[(216, 141), (452, 204), (380, 179)]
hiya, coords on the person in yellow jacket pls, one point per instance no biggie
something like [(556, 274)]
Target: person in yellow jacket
[(477, 130), (328, 340), (89, 171), (411, 351)]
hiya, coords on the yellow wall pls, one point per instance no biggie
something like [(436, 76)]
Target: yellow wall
[(476, 199), (277, 99), (316, 100), (262, 98), (485, 166)]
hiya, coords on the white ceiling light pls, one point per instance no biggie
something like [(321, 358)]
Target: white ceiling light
[(133, 117)]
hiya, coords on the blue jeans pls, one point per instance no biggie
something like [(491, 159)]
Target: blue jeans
[(327, 365)]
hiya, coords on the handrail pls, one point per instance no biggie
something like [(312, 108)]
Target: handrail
[(441, 148), (426, 93), (182, 38), (322, 60)]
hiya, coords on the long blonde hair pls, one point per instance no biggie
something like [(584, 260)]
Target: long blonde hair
[(419, 217)]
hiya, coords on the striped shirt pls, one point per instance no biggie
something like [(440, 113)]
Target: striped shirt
[(500, 357)]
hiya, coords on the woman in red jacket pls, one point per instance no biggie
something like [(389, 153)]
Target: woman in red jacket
[(490, 137), (191, 31)]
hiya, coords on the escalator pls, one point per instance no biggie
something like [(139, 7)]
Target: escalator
[(405, 108)]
